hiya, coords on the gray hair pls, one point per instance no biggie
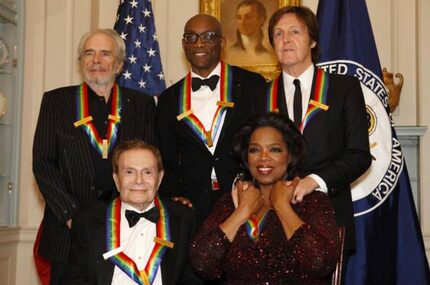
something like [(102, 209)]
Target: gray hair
[(118, 41)]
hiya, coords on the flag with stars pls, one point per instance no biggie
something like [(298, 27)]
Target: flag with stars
[(142, 69)]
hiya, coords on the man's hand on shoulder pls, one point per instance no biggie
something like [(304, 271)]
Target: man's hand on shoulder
[(184, 201), (304, 187)]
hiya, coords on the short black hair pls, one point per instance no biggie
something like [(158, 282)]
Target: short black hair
[(291, 135)]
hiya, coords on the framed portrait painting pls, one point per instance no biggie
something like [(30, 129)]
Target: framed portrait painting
[(245, 24)]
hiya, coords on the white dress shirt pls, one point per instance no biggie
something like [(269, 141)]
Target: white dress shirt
[(138, 243), (306, 79), (204, 106)]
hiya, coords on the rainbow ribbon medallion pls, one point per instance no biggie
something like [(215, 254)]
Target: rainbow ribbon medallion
[(254, 227), (162, 243), (84, 120), (318, 102), (225, 102)]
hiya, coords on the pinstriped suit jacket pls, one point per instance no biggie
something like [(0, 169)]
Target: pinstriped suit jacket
[(62, 162)]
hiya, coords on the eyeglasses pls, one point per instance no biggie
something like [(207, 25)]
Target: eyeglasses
[(207, 37)]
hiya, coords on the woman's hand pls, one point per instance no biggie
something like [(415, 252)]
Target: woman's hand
[(282, 194), (281, 198), (249, 199), (249, 202)]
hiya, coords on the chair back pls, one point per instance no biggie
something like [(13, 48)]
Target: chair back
[(336, 278)]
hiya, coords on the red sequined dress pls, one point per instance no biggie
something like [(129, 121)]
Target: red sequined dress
[(308, 257)]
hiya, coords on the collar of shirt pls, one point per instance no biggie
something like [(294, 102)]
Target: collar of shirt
[(93, 95), (216, 71), (306, 79), (124, 223), (127, 206)]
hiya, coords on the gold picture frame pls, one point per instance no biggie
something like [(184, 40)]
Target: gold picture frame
[(263, 61)]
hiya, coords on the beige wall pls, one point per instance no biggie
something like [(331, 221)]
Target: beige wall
[(53, 28), (423, 115)]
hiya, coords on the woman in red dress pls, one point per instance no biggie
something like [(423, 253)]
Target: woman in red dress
[(258, 234)]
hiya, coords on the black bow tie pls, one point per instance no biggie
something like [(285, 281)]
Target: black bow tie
[(212, 81), (133, 217)]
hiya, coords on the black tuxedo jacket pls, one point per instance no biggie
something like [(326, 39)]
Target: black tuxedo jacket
[(337, 144), (86, 264), (62, 163), (187, 161)]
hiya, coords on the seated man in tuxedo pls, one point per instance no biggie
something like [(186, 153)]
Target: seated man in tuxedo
[(137, 238)]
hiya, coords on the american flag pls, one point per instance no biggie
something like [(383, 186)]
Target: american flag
[(142, 69)]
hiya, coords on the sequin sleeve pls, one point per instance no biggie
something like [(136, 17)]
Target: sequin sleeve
[(210, 244), (315, 244)]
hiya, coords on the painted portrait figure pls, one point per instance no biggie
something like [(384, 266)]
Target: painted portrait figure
[(247, 44)]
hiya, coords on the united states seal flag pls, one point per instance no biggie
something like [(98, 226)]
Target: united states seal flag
[(390, 248), (142, 69)]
